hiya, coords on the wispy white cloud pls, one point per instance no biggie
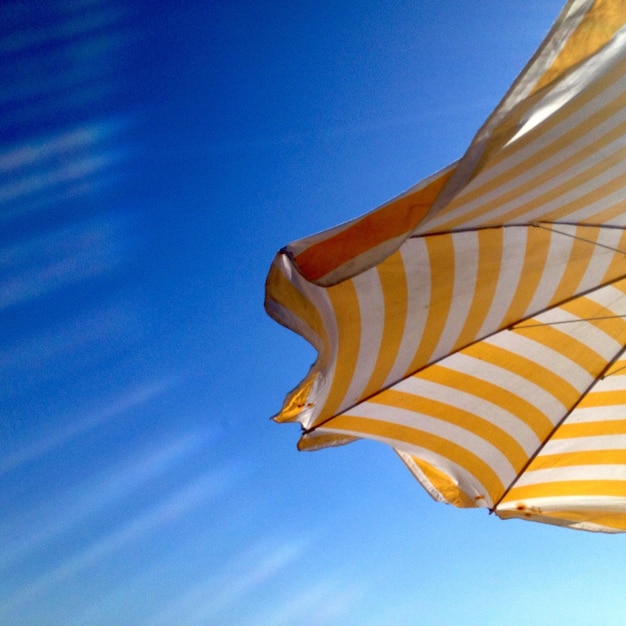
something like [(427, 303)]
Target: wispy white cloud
[(194, 494), (44, 264), (35, 151), (332, 132), (125, 402), (62, 342), (213, 596), (73, 161), (62, 30), (319, 603), (94, 495)]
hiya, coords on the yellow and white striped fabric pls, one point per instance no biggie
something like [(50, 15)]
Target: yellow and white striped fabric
[(477, 323)]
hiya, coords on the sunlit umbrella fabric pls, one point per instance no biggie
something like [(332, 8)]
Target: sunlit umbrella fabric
[(477, 322)]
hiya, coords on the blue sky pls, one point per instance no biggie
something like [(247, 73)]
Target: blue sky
[(153, 159)]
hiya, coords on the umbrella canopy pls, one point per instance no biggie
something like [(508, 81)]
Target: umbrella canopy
[(477, 322)]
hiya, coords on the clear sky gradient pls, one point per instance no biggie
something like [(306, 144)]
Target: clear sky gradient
[(153, 158)]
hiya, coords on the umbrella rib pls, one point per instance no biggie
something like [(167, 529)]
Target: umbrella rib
[(560, 232), (619, 369), (556, 427), (538, 224), (519, 326)]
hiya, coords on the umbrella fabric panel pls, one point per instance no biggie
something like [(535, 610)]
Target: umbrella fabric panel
[(472, 422), (579, 476), (436, 295), (566, 162), (577, 63)]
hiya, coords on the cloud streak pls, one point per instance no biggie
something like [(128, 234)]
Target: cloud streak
[(194, 494), (94, 496), (212, 597), (119, 406)]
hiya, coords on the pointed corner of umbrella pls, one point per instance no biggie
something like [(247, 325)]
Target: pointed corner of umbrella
[(316, 440), (592, 514), (439, 485), (297, 405)]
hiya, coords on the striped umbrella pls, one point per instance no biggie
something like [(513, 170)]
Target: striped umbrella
[(477, 323)]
